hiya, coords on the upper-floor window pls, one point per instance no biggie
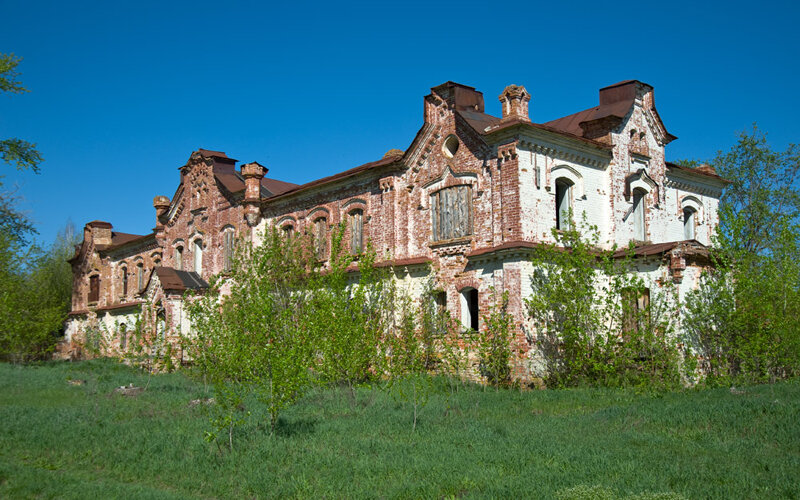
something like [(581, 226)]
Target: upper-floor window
[(356, 232), (451, 213), (639, 199), (563, 204), (94, 288), (320, 237), (125, 281), (197, 252), (140, 275), (179, 258), (288, 231), (688, 223), (227, 249)]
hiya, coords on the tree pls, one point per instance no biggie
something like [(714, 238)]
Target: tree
[(744, 319), (17, 152), (250, 334), (763, 198)]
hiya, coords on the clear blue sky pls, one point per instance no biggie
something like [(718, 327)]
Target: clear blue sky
[(123, 92)]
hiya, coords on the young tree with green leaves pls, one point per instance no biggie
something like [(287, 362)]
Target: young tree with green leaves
[(250, 329), (744, 318)]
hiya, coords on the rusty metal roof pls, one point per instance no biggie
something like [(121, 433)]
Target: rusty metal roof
[(172, 279), (233, 182)]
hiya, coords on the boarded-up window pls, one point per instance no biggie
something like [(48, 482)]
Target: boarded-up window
[(321, 237), (197, 252), (563, 204), (140, 276), (227, 250), (94, 288), (124, 281), (451, 213), (635, 309), (356, 232)]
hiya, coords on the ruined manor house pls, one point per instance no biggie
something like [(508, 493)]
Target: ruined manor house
[(466, 202)]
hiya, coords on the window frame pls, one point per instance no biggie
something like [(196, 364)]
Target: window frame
[(564, 193), (460, 210)]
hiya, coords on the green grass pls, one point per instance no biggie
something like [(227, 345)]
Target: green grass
[(64, 441)]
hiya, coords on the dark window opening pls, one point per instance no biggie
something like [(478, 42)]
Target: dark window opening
[(563, 205), (469, 308), (94, 288), (124, 281)]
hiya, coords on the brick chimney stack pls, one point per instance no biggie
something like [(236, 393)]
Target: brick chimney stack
[(100, 232), (515, 103), (253, 173)]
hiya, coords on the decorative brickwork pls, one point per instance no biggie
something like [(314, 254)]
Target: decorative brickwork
[(493, 178)]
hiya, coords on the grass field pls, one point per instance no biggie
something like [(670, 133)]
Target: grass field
[(60, 440)]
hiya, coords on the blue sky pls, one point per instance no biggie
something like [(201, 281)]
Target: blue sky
[(122, 93)]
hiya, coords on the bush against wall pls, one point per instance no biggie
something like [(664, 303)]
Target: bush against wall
[(593, 324)]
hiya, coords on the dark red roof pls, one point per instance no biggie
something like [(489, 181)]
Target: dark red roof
[(341, 175), (172, 279), (571, 123), (661, 248), (233, 182), (704, 172)]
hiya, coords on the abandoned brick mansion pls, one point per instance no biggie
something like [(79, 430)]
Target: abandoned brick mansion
[(466, 202)]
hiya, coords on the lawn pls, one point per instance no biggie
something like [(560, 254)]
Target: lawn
[(61, 440)]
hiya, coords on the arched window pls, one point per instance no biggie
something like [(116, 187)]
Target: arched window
[(227, 249), (356, 232), (179, 258), (639, 200), (124, 281), (288, 231), (469, 308), (94, 289), (563, 204), (320, 237), (689, 223), (197, 252), (140, 275)]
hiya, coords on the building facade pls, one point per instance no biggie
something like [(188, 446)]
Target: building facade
[(464, 204)]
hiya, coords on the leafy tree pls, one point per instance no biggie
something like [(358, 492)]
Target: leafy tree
[(744, 318), (250, 329), (22, 154), (349, 314)]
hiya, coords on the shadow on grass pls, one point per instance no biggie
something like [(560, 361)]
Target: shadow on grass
[(295, 427)]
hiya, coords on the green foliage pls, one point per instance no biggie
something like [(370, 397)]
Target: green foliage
[(349, 315), (68, 441), (592, 322), (249, 334), (22, 154), (496, 345), (35, 294), (744, 319)]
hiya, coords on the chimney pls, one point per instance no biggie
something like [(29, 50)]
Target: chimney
[(100, 232), (253, 173), (161, 204), (515, 103)]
